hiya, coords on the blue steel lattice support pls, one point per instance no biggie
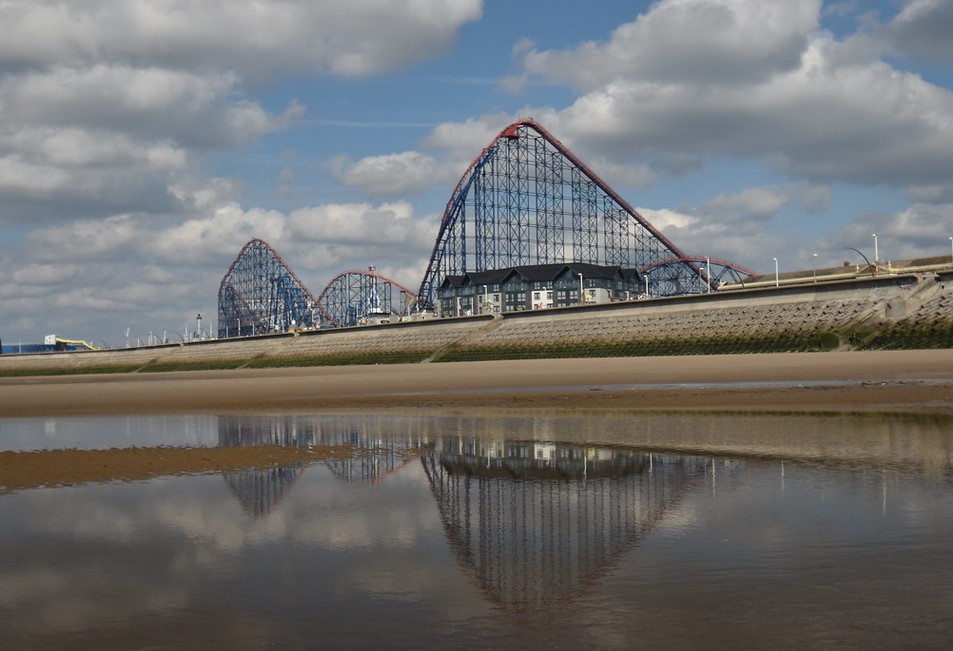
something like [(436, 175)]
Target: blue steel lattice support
[(357, 297), (260, 294), (670, 278), (531, 201)]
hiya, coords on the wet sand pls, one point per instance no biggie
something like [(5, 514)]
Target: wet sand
[(894, 381), (47, 468), (877, 382)]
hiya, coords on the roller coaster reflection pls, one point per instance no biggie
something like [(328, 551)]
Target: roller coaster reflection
[(534, 523), (372, 458), (531, 523)]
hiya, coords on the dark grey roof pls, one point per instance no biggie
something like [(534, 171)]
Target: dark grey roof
[(489, 277), (631, 274), (539, 272), (453, 281)]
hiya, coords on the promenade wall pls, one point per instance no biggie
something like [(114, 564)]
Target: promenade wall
[(887, 312)]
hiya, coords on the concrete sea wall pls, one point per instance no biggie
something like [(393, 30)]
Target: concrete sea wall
[(887, 312)]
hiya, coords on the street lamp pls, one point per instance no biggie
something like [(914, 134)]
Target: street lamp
[(776, 280), (815, 266)]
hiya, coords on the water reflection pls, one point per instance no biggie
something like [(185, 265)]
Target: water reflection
[(99, 432), (534, 522), (906, 442), (259, 491), (523, 532), (373, 455)]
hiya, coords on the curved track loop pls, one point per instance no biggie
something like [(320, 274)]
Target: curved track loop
[(261, 294), (358, 296), (690, 275), (527, 200)]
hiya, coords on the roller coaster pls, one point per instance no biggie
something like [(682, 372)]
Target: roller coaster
[(690, 275), (528, 200), (260, 294), (360, 297), (525, 200)]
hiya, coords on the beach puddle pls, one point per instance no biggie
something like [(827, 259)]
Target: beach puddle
[(530, 531)]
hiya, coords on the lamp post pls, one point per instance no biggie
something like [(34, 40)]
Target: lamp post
[(708, 273), (777, 281), (876, 252), (486, 300), (580, 289), (646, 279), (815, 266)]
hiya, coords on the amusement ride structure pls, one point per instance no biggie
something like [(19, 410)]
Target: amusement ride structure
[(524, 200), (528, 200), (261, 294), (359, 297)]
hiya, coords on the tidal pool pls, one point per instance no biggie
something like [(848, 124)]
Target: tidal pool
[(531, 531)]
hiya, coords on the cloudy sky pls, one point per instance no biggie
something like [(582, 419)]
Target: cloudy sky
[(144, 142)]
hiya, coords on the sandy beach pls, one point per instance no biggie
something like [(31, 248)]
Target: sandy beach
[(894, 381), (878, 385)]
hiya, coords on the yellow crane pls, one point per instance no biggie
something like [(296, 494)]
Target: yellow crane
[(53, 340)]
